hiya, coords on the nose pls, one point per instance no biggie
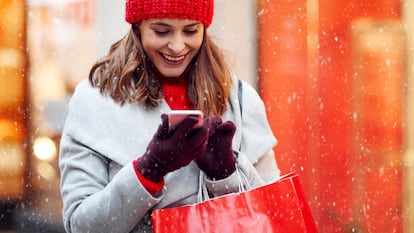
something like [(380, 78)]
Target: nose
[(176, 44)]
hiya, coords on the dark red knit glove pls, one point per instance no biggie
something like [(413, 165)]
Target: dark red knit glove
[(170, 150), (218, 162)]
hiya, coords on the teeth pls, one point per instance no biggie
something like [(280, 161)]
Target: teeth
[(175, 59)]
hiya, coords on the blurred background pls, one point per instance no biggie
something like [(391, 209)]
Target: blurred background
[(337, 79)]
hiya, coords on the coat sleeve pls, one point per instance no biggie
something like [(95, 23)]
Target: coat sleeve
[(92, 200)]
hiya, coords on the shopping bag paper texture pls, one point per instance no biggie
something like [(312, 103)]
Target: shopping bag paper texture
[(277, 207)]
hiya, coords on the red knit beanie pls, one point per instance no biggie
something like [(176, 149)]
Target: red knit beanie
[(200, 10)]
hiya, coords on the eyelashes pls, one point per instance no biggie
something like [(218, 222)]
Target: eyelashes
[(166, 32)]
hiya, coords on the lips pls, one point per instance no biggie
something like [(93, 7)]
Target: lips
[(173, 60)]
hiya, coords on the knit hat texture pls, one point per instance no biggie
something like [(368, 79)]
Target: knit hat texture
[(200, 10)]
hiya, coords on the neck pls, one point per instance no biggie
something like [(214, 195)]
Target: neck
[(181, 79)]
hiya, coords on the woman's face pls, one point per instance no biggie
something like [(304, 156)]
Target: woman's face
[(171, 44)]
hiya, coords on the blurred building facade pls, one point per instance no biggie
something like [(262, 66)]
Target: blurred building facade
[(336, 79)]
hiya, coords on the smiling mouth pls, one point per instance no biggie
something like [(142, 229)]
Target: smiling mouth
[(173, 58)]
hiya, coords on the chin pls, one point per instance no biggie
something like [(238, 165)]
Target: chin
[(172, 74)]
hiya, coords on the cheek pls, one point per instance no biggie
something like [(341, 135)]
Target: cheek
[(148, 45), (198, 40), (151, 43), (196, 43)]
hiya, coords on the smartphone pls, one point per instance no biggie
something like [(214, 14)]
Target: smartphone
[(176, 116)]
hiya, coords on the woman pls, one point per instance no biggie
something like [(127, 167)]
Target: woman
[(119, 159)]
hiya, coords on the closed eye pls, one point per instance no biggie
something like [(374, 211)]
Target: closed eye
[(191, 32), (161, 32)]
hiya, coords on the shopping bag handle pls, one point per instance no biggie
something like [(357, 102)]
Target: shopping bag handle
[(243, 185)]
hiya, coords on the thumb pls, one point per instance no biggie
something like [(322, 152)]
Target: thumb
[(164, 126), (228, 128)]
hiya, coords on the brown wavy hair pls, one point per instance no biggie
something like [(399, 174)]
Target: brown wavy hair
[(127, 75)]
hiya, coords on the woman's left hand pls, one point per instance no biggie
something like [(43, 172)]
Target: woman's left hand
[(218, 162)]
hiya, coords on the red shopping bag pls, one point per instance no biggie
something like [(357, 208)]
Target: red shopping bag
[(273, 208)]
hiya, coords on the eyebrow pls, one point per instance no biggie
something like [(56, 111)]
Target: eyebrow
[(168, 25)]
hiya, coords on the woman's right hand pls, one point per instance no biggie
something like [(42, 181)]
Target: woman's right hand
[(171, 150)]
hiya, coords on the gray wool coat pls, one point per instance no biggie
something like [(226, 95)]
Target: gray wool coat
[(99, 187)]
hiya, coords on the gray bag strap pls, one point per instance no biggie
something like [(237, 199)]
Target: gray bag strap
[(240, 95)]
